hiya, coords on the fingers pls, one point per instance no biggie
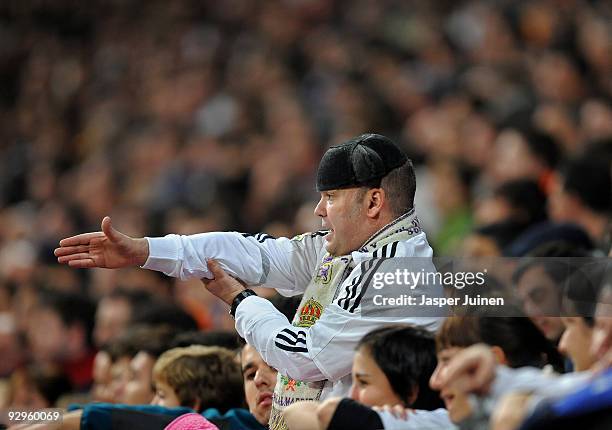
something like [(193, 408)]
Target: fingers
[(82, 263), (108, 230), (215, 269), (398, 411), (80, 239), (472, 370), (69, 250), (72, 257)]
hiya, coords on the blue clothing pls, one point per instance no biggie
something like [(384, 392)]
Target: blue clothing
[(589, 407), (107, 416)]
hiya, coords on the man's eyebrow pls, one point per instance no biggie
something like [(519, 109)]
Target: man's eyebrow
[(248, 366)]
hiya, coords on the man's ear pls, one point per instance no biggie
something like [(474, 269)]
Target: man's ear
[(376, 198)]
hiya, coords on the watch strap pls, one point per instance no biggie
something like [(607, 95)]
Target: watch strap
[(239, 298)]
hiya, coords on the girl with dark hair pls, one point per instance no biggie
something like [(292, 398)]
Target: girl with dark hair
[(392, 365)]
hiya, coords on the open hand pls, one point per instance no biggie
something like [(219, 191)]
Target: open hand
[(108, 249)]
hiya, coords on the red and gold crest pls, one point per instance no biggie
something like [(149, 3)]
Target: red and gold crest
[(310, 313)]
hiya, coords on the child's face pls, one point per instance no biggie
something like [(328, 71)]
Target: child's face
[(370, 385), (456, 401), (165, 395)]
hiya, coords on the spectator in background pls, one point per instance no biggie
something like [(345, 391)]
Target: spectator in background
[(521, 200), (167, 314), (148, 343), (115, 312), (583, 195), (525, 154), (491, 240), (35, 387), (60, 334), (102, 376), (540, 280), (223, 339)]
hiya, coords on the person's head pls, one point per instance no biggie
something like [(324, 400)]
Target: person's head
[(37, 387), (114, 313), (515, 341), (392, 365), (224, 339), (524, 154), (491, 239), (584, 185), (578, 312), (149, 343), (165, 313), (601, 346), (199, 377), (101, 373), (140, 346), (364, 184), (259, 381), (521, 200), (539, 280), (61, 327)]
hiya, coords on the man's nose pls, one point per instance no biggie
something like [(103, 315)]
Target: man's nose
[(320, 209)]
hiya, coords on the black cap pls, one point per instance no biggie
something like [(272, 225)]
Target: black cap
[(359, 161)]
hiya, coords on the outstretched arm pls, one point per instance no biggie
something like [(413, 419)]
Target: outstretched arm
[(284, 264), (108, 249)]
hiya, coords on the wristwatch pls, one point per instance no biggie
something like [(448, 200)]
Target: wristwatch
[(239, 298)]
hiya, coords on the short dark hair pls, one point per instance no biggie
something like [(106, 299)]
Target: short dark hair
[(582, 290), (72, 308), (553, 257), (153, 340), (543, 146), (589, 178), (223, 339), (400, 187), (407, 357), (526, 198), (162, 313)]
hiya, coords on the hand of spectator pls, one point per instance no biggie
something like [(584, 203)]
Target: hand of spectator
[(302, 415), (398, 411), (326, 410), (108, 249), (510, 412), (471, 370), (223, 285)]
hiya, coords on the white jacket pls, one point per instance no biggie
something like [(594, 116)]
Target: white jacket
[(325, 350)]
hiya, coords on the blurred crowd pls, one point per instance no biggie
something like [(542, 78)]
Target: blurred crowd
[(187, 116)]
